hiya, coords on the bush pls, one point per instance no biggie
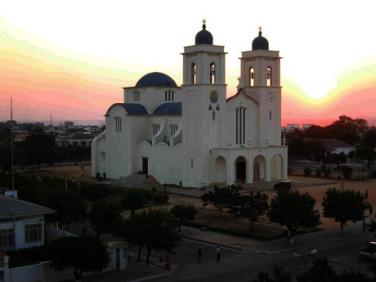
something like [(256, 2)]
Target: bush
[(27, 256), (307, 171), (160, 198), (327, 171), (93, 192), (282, 186), (346, 171), (318, 172)]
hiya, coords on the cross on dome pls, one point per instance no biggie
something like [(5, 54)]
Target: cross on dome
[(204, 24)]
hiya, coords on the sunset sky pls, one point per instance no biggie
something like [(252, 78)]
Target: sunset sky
[(72, 58)]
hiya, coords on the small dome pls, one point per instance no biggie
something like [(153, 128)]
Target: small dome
[(204, 36), (260, 42), (156, 79)]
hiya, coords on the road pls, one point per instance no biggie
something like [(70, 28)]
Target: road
[(237, 265)]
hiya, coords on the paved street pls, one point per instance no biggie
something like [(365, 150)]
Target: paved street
[(342, 251)]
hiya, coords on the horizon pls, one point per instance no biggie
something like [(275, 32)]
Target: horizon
[(53, 69)]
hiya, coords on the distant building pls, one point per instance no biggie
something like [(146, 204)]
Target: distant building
[(20, 135), (292, 126), (192, 134), (76, 139), (21, 223), (334, 146), (307, 125)]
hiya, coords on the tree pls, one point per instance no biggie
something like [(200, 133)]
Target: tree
[(344, 205), (154, 230), (39, 147), (134, 200), (68, 206), (294, 210), (278, 276), (252, 206), (319, 271), (105, 217), (222, 197), (183, 213), (83, 254)]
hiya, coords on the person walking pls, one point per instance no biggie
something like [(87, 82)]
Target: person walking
[(199, 254), (218, 252)]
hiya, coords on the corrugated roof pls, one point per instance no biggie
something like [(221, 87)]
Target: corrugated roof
[(169, 109), (11, 208)]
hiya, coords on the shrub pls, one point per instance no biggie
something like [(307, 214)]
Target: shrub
[(160, 198), (307, 171), (27, 256), (282, 186), (318, 172)]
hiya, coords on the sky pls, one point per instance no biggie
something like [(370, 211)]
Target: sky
[(72, 58)]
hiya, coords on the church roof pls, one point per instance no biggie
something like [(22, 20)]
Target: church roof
[(132, 109), (204, 36), (155, 79), (168, 109), (260, 42), (135, 109)]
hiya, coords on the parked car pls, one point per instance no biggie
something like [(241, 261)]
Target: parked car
[(369, 251)]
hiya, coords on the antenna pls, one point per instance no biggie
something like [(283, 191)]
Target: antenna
[(11, 145)]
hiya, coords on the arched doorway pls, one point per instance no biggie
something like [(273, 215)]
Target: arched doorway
[(259, 168), (220, 170), (240, 170), (277, 167)]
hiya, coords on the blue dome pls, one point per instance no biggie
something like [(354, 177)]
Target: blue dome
[(260, 42), (204, 36), (156, 79)]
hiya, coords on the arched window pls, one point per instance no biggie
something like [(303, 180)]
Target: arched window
[(193, 74), (269, 76), (212, 73), (169, 95), (240, 125), (251, 76)]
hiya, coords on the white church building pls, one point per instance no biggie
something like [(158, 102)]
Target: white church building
[(193, 135)]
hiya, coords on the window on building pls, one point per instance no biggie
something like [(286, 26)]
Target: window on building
[(193, 74), (270, 115), (213, 115), (117, 124), (251, 76), (156, 128), (191, 162), (33, 233), (103, 156), (269, 76), (136, 96), (173, 129), (169, 95), (212, 73), (240, 125), (7, 239)]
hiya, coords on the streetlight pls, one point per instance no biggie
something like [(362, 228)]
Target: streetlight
[(304, 254)]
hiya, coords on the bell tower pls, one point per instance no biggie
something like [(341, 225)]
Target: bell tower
[(260, 78), (204, 98)]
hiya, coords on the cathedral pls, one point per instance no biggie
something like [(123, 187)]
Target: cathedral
[(193, 135)]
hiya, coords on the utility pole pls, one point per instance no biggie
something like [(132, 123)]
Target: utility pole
[(12, 146)]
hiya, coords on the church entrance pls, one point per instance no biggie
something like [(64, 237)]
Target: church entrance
[(145, 166), (240, 170)]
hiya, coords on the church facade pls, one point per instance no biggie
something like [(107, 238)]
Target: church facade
[(192, 135)]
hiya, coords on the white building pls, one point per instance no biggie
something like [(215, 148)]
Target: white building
[(192, 134), (21, 223)]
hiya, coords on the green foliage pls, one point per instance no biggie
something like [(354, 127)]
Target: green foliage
[(105, 217), (183, 213), (27, 256), (318, 172), (344, 205), (83, 254), (222, 197), (294, 210), (307, 171), (319, 271), (135, 199), (252, 206), (346, 171), (153, 229), (279, 275), (160, 198), (93, 192), (68, 206)]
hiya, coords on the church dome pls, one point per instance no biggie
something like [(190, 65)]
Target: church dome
[(260, 42), (156, 79), (204, 36)]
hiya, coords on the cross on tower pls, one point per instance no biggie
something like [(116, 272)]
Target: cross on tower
[(204, 24)]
